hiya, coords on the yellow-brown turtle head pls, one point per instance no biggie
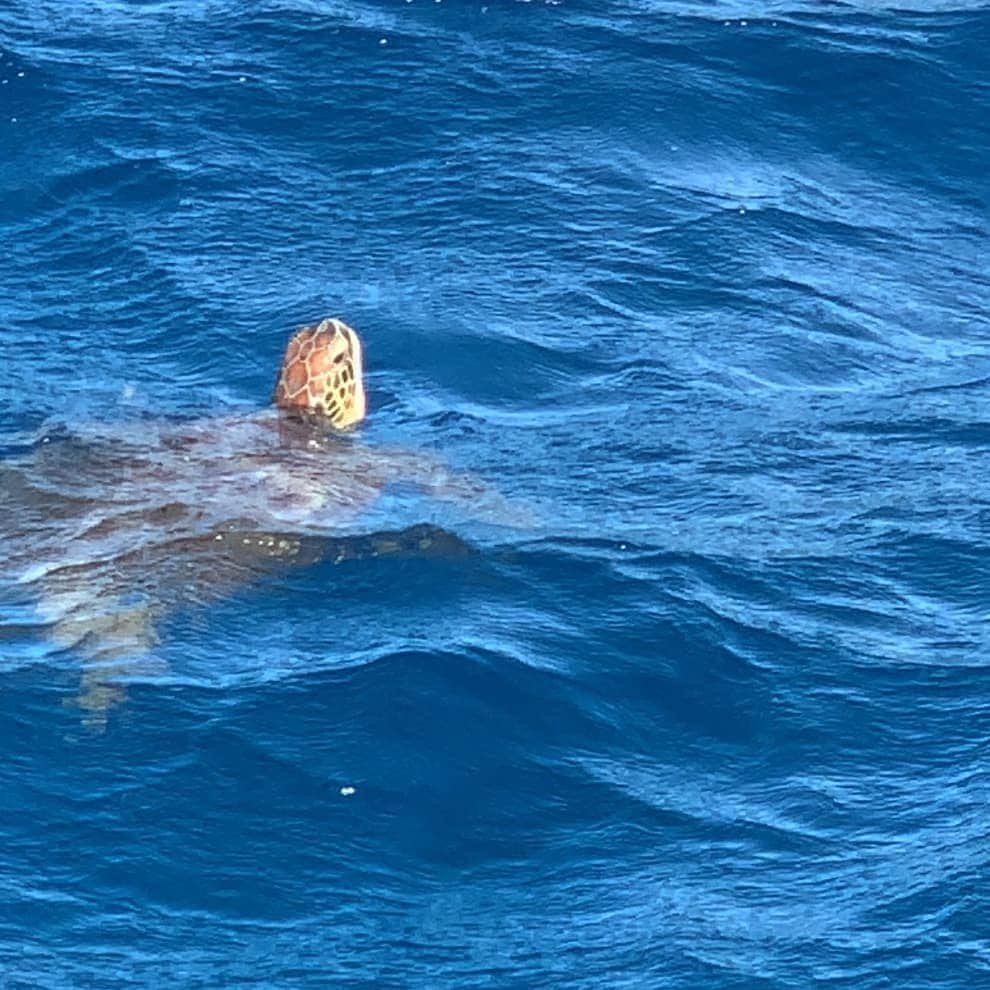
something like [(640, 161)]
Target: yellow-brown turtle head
[(322, 372)]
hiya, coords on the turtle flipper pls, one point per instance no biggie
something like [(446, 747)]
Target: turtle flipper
[(114, 636), (106, 611)]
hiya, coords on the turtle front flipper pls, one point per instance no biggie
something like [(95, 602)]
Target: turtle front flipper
[(113, 634), (106, 611)]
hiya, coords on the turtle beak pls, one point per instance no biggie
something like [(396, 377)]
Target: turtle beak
[(358, 407)]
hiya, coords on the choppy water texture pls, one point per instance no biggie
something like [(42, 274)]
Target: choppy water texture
[(698, 294)]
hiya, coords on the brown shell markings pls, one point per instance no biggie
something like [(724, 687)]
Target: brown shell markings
[(322, 371)]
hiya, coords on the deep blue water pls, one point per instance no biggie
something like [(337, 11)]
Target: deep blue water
[(702, 290)]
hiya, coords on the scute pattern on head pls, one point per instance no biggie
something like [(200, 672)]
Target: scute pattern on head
[(322, 372)]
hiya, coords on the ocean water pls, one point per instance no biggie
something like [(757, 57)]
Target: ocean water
[(694, 299)]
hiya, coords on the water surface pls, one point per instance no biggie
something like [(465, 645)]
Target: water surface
[(701, 290)]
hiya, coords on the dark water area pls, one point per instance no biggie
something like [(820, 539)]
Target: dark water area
[(701, 291)]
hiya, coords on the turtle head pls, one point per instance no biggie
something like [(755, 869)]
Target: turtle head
[(322, 372)]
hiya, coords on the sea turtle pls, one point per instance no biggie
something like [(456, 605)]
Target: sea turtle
[(105, 528)]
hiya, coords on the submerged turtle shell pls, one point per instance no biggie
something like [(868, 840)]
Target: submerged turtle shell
[(321, 371)]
